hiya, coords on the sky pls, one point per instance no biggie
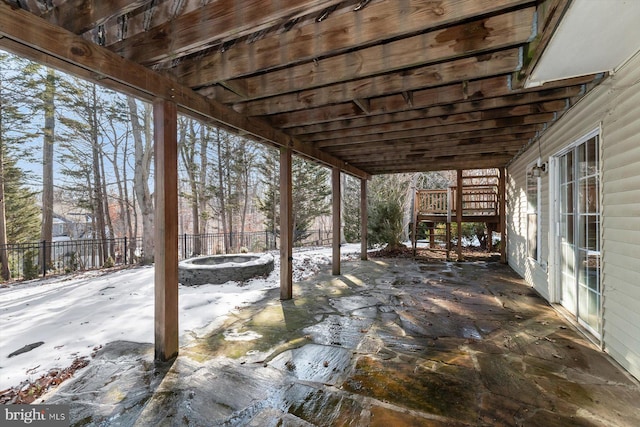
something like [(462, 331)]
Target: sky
[(72, 315)]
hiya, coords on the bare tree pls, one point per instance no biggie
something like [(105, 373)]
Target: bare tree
[(46, 231), (143, 154), (187, 146)]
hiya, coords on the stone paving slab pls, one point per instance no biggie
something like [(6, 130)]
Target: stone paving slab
[(391, 342)]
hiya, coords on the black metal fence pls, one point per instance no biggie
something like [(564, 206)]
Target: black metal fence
[(26, 260)]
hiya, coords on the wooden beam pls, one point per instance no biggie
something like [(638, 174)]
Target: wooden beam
[(418, 145), (424, 128), (440, 95), (497, 159), (375, 23), (435, 116), (79, 16), (211, 24), (443, 163), (509, 133), (485, 65), (336, 220), (286, 225), (472, 38), (365, 159), (364, 231), (166, 229), (300, 121), (502, 194), (75, 55)]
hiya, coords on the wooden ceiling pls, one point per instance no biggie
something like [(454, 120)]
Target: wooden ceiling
[(383, 85)]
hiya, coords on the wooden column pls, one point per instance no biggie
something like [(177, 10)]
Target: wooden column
[(502, 190), (335, 190), (459, 213), (286, 225), (363, 219), (432, 234), (166, 229)]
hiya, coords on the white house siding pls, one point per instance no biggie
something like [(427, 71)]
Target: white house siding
[(614, 106)]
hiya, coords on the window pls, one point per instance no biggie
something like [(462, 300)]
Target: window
[(578, 213), (533, 209)]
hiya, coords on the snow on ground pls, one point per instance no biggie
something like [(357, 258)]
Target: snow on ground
[(74, 315)]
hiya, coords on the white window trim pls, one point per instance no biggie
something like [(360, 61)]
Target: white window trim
[(538, 209)]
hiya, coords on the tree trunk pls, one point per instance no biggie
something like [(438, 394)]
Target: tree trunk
[(107, 213), (123, 200), (46, 231), (227, 195), (98, 196), (4, 258), (202, 183), (143, 155), (186, 148), (221, 194)]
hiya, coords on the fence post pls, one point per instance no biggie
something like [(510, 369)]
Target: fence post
[(44, 258), (125, 250), (184, 246)]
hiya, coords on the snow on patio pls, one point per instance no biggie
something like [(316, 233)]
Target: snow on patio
[(71, 316)]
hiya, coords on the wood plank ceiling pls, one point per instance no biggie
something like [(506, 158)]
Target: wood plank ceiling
[(384, 85)]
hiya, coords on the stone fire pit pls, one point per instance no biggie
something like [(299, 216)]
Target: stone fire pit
[(217, 269)]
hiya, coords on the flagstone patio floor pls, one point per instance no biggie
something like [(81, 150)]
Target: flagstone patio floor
[(390, 342)]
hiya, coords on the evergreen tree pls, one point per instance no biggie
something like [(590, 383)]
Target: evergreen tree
[(310, 193), (351, 209), (84, 146), (23, 215), (14, 133), (387, 201)]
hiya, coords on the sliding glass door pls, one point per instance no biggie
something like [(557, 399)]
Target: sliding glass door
[(579, 232)]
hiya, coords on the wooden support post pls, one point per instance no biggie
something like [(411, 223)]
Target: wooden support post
[(448, 233), (414, 225), (335, 189), (363, 219), (502, 190), (166, 229), (286, 225), (432, 235), (459, 213)]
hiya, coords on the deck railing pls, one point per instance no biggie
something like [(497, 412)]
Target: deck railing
[(477, 200)]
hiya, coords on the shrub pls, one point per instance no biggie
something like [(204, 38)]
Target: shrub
[(109, 262), (30, 268), (385, 223)]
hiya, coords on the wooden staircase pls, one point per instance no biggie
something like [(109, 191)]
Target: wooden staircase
[(479, 201)]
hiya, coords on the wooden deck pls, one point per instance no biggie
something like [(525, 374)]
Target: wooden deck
[(478, 202)]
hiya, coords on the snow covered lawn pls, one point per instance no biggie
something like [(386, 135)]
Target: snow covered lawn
[(71, 316)]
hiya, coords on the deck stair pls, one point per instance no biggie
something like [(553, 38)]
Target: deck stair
[(436, 207)]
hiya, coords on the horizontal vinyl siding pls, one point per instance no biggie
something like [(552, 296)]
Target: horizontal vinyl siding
[(615, 106), (621, 222), (528, 268)]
